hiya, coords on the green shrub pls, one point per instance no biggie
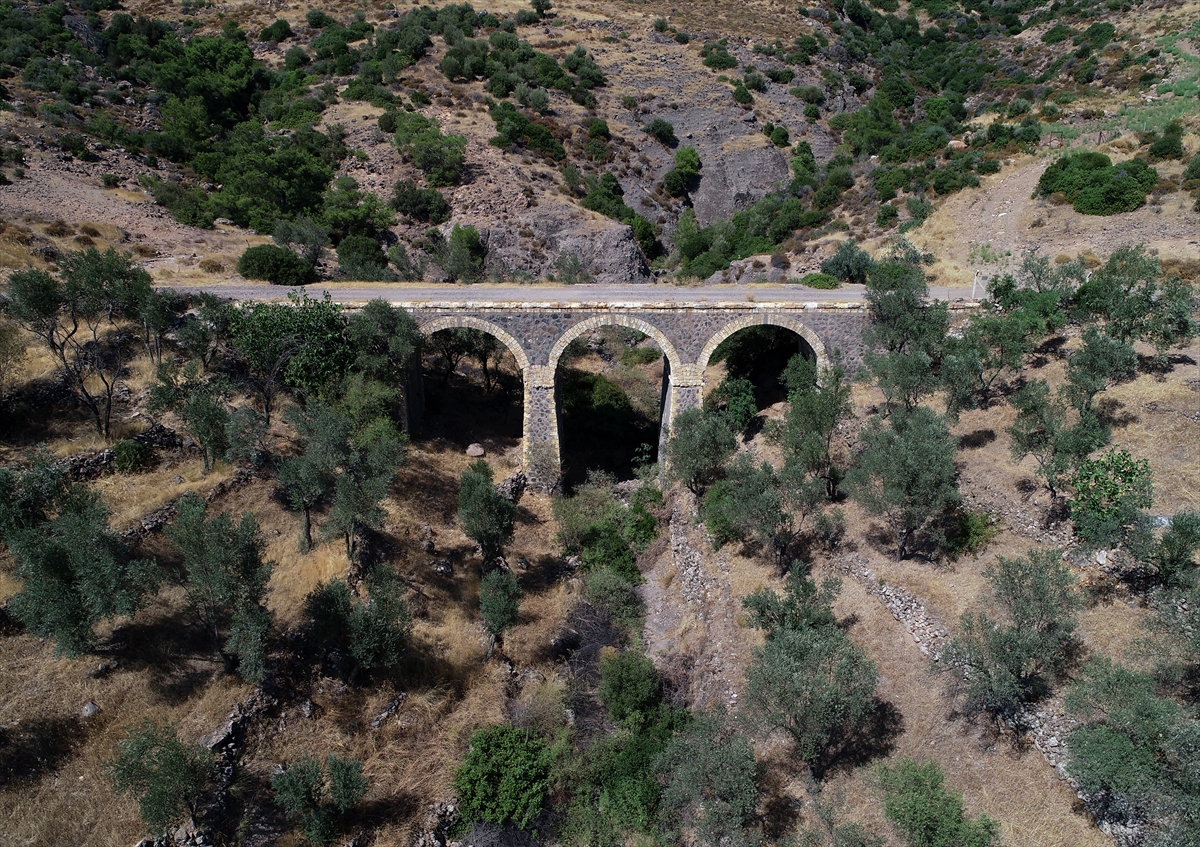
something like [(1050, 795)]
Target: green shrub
[(969, 532), (887, 215), (629, 685), (849, 264), (716, 56), (610, 592), (779, 136), (276, 32), (1192, 171), (821, 281), (928, 815), (812, 112), (1057, 33), (277, 265), (1095, 185), (422, 204), (318, 19), (1174, 551), (1110, 492), (661, 131), (504, 777), (742, 96), (1169, 145), (130, 456), (361, 257), (755, 81), (109, 180), (674, 183)]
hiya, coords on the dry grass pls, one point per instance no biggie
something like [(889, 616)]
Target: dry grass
[(1017, 787), (129, 497), (71, 801)]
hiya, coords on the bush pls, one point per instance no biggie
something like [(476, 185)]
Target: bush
[(277, 265), (887, 215), (362, 258), (969, 532), (1169, 145), (130, 456), (821, 281), (504, 777), (610, 592), (320, 797), (812, 112), (422, 204), (1174, 551), (741, 96), (318, 19), (109, 180), (1110, 492), (849, 264), (1095, 186), (661, 131), (166, 775), (928, 815), (717, 57), (629, 685), (779, 136), (1192, 171), (276, 32)]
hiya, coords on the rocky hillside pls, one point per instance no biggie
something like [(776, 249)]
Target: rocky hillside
[(590, 141)]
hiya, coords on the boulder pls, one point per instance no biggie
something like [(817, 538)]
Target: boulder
[(476, 451)]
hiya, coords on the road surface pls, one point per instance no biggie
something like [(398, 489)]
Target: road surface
[(351, 292)]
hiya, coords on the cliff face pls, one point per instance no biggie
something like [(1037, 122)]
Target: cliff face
[(744, 173)]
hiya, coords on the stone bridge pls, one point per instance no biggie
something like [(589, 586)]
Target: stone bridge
[(538, 332)]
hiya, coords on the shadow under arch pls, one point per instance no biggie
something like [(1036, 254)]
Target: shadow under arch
[(595, 323), (673, 366), (466, 321), (766, 319)]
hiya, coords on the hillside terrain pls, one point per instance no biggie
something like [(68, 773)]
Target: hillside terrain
[(249, 596)]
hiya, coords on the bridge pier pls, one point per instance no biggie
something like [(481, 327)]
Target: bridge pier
[(681, 391), (541, 452)]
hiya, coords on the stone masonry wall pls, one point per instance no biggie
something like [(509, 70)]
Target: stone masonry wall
[(537, 334)]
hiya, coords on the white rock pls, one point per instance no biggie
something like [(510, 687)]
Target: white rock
[(476, 451)]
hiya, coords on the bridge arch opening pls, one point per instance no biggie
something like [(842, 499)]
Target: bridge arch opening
[(757, 349), (612, 378), (472, 373)]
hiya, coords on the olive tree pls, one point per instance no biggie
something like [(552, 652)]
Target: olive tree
[(166, 775), (485, 516), (79, 315), (226, 581), (905, 472)]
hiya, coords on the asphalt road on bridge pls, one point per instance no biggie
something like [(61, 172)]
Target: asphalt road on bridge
[(547, 293)]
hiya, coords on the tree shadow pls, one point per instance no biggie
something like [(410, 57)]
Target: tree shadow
[(780, 813), (37, 747), (1160, 367), (179, 656), (876, 739), (1112, 411), (976, 439)]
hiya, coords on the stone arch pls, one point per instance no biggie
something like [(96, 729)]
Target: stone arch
[(767, 319), (456, 321), (628, 321)]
